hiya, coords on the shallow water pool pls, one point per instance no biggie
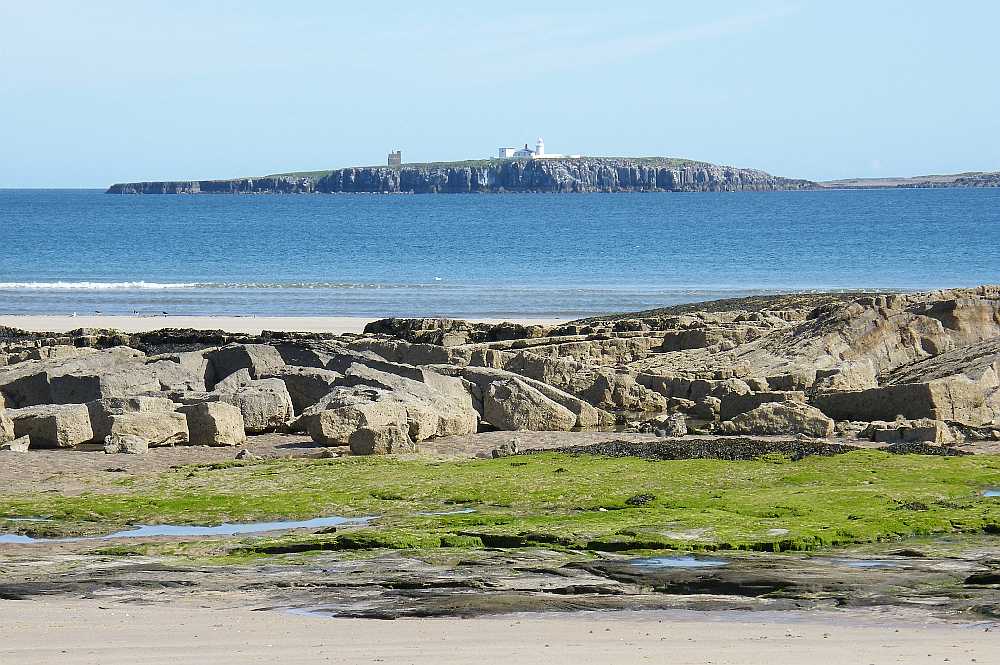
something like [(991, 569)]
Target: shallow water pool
[(183, 530), (678, 562)]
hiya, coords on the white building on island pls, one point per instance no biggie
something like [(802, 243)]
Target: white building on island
[(528, 153)]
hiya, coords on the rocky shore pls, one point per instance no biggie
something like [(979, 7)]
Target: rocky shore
[(889, 369), (587, 174), (727, 456)]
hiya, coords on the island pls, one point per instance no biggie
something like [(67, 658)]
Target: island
[(556, 175)]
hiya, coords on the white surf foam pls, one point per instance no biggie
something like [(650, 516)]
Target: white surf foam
[(93, 286)]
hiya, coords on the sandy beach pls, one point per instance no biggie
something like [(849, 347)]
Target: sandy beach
[(95, 631), (252, 325)]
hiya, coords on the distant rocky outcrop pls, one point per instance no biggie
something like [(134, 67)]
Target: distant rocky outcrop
[(972, 179), (493, 176)]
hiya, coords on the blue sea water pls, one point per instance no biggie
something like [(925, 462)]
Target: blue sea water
[(560, 255)]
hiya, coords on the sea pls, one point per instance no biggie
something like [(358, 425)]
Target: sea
[(478, 255)]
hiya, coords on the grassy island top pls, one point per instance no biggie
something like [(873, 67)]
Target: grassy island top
[(666, 162)]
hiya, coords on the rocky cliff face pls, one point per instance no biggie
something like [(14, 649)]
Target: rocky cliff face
[(551, 175)]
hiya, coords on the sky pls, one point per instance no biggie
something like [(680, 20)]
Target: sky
[(93, 93)]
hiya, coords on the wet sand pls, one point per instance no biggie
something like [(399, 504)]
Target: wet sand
[(252, 325), (49, 630)]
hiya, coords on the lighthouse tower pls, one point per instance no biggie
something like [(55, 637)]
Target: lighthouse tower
[(540, 148)]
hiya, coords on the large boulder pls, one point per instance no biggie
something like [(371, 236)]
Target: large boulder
[(735, 404), (6, 424), (114, 372), (956, 398), (125, 444), (156, 428), (18, 445), (237, 379), (587, 415), (264, 403), (102, 410), (436, 405), (511, 404), (306, 385), (188, 370), (118, 382), (53, 425), (608, 388), (214, 424), (780, 418), (346, 410), (257, 359), (910, 431), (381, 441)]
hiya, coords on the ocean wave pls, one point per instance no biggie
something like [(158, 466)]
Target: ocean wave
[(165, 286), (94, 286)]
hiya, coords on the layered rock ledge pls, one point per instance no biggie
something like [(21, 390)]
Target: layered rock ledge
[(911, 372)]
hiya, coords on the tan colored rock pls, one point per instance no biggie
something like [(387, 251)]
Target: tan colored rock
[(305, 385), (781, 418), (587, 416), (125, 444), (956, 398), (237, 379), (18, 445), (187, 370), (349, 409), (381, 441), (214, 424), (264, 403), (53, 425), (910, 431), (102, 410), (436, 405), (6, 424), (257, 359), (156, 428), (735, 404), (511, 404)]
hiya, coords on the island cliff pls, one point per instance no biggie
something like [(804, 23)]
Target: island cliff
[(538, 175)]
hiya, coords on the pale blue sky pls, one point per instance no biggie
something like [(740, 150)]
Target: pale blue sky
[(97, 92)]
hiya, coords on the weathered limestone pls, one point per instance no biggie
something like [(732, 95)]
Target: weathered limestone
[(102, 410), (115, 372), (18, 445), (125, 444), (53, 425), (381, 441), (733, 405), (604, 387), (214, 424), (346, 410), (955, 399), (436, 405), (156, 428), (264, 403), (237, 379), (257, 359), (673, 425), (188, 370), (587, 416), (780, 418), (909, 431), (511, 404), (6, 424), (305, 385)]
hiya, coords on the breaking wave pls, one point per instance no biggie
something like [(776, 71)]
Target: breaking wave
[(165, 286), (93, 286)]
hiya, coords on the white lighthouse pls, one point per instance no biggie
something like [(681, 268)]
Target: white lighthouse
[(528, 153)]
